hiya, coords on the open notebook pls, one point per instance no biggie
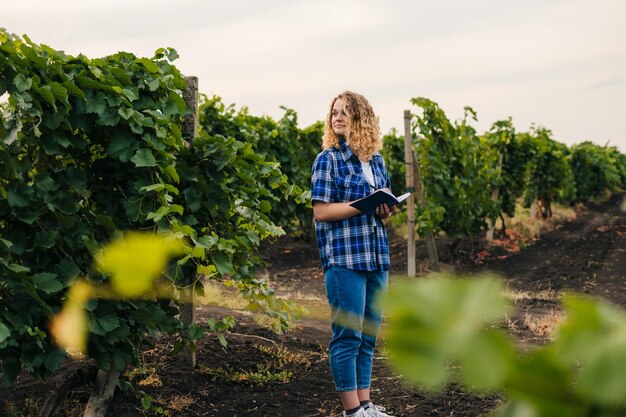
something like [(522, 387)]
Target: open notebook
[(378, 197)]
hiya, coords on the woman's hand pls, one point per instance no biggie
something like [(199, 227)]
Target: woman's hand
[(383, 211)]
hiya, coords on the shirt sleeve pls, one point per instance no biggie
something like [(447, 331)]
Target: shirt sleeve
[(323, 187)]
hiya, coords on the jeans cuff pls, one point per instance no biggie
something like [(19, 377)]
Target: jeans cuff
[(341, 389)]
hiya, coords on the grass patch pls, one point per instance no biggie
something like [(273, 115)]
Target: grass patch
[(543, 325), (527, 227), (180, 402), (517, 295), (218, 295), (284, 356), (263, 374), (273, 324)]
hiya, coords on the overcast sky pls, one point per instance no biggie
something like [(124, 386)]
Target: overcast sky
[(556, 63)]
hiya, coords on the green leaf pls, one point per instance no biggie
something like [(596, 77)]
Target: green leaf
[(106, 221), (144, 158), (97, 72), (53, 359), (126, 113), (154, 84), (193, 199), (207, 242), (108, 117), (6, 243), (602, 377), (486, 361), (173, 190), (170, 109), (118, 334), (149, 65), (222, 263), (161, 132), (183, 228), (159, 214), (121, 358), (265, 206), (50, 146), (47, 282), (195, 332), (105, 324), (129, 94), (19, 196), (45, 183), (74, 90), (27, 215), (12, 136), (96, 104), (432, 322), (146, 402), (136, 261), (172, 54), (253, 237), (5, 332), (48, 95), (541, 380), (153, 187), (176, 208), (198, 252), (60, 92), (18, 268), (123, 145), (182, 261), (176, 101), (22, 83), (45, 239), (171, 172), (594, 334), (68, 270)]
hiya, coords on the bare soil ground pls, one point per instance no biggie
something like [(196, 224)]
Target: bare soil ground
[(262, 373)]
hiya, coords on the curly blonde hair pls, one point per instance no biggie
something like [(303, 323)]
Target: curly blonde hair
[(362, 129)]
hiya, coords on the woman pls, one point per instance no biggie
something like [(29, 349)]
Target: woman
[(353, 245)]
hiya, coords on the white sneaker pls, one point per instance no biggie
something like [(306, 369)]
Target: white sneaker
[(373, 410), (360, 413)]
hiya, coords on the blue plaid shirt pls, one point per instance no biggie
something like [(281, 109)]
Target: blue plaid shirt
[(360, 242)]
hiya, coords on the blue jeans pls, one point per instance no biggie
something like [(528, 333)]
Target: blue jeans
[(355, 322)]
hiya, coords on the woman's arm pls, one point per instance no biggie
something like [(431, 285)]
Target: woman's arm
[(333, 212)]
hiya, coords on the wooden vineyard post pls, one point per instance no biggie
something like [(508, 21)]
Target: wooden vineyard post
[(190, 121), (533, 210), (189, 132), (102, 393), (410, 187), (492, 224), (413, 170), (429, 238), (494, 197)]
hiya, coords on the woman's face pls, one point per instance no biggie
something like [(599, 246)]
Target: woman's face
[(338, 117)]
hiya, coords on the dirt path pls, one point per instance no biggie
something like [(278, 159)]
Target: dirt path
[(587, 255), (264, 374)]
